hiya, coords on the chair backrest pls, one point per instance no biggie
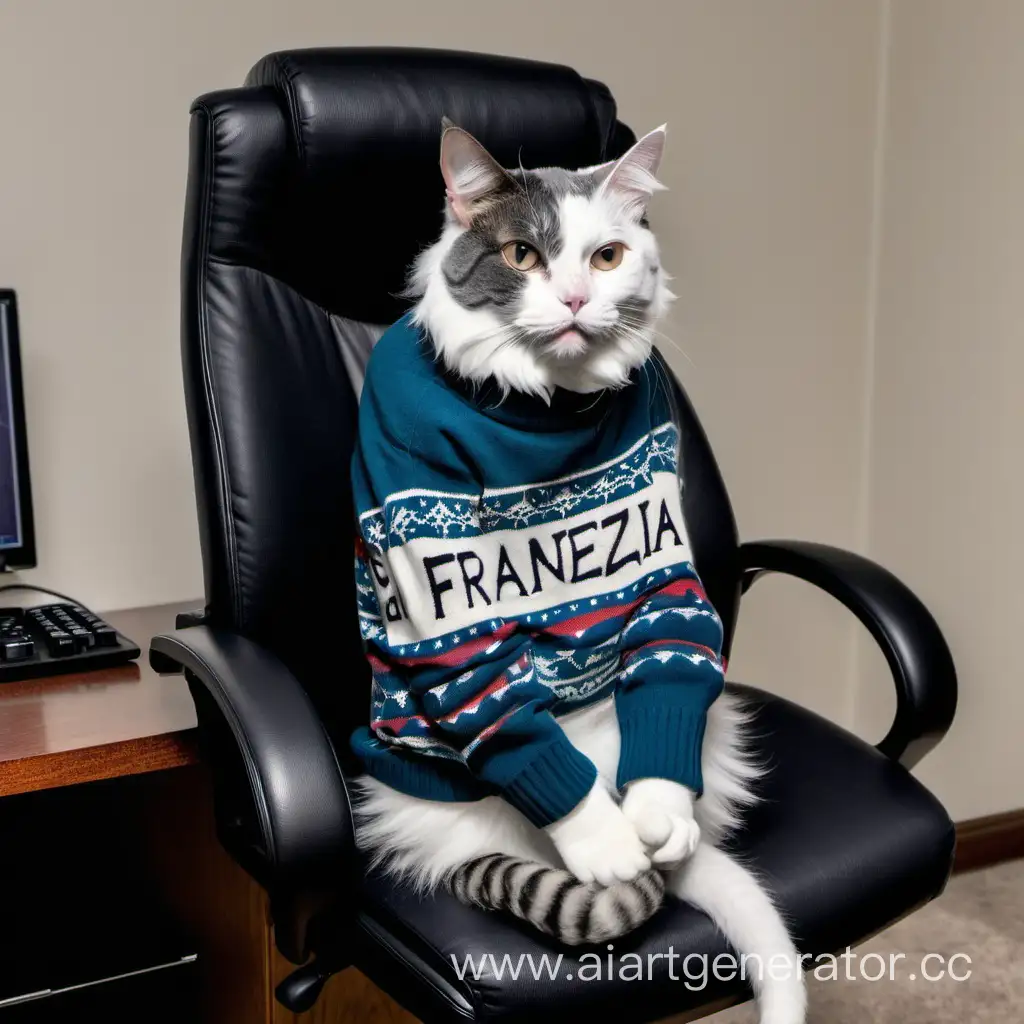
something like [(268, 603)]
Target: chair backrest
[(310, 191)]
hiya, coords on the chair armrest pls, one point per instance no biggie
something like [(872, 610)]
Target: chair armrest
[(280, 799), (918, 656)]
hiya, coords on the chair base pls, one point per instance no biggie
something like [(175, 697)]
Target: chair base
[(301, 989)]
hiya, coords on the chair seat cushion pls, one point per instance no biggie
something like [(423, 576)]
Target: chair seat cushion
[(848, 840)]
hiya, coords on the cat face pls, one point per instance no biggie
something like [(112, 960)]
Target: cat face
[(544, 278)]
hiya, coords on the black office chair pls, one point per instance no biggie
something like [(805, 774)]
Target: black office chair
[(310, 190)]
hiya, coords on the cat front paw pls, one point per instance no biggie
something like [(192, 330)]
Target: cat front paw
[(661, 811), (597, 842)]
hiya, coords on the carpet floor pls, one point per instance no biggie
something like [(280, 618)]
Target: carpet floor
[(980, 915)]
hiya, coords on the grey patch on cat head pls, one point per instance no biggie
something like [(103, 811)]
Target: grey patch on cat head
[(560, 182), (474, 269), (477, 275)]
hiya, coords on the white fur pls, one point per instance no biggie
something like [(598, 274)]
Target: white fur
[(586, 224), (662, 813), (475, 343), (597, 842), (472, 342), (424, 841), (731, 895)]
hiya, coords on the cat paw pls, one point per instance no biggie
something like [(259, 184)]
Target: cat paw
[(662, 814), (597, 842)]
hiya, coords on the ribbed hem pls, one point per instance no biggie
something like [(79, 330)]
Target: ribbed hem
[(552, 784), (662, 742)]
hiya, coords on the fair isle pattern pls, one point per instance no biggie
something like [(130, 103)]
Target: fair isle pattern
[(579, 650), (577, 674), (414, 514), (367, 605)]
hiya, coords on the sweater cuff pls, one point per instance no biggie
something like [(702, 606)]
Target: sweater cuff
[(662, 742), (552, 784)]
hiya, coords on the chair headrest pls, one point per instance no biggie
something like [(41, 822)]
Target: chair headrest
[(364, 192)]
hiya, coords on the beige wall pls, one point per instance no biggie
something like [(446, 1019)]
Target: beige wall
[(947, 470), (770, 106)]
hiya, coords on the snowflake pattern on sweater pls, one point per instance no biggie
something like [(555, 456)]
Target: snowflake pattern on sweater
[(405, 516)]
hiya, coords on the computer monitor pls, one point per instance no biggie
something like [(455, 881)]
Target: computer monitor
[(17, 533)]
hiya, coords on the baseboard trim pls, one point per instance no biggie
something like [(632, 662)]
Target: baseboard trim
[(982, 842)]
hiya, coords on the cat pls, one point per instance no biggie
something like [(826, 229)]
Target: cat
[(546, 283)]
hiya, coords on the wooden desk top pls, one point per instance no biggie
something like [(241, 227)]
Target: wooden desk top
[(97, 725)]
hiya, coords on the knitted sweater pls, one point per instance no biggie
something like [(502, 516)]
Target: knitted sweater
[(517, 560)]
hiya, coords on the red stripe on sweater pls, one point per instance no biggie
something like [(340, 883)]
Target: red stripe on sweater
[(680, 588), (377, 666), (670, 643), (477, 699), (396, 725), (581, 623), (462, 652)]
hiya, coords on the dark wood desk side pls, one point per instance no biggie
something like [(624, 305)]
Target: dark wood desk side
[(129, 723)]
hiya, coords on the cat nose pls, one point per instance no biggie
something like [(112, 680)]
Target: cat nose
[(574, 302)]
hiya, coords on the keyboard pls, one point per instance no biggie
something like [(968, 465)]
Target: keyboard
[(54, 639)]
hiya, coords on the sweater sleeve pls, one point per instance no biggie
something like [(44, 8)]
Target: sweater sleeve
[(672, 672), (461, 691), (480, 703)]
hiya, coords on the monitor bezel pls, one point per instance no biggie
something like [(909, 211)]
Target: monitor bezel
[(23, 556)]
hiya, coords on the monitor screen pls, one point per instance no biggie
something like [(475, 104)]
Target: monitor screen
[(16, 539)]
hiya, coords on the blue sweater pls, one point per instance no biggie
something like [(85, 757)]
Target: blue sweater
[(517, 560)]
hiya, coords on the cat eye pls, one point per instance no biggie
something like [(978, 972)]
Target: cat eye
[(608, 257), (520, 256)]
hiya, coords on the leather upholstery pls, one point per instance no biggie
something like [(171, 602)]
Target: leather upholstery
[(914, 647), (282, 806), (844, 836), (366, 128), (310, 190), (302, 826)]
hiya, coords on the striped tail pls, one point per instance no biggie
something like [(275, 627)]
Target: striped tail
[(554, 901)]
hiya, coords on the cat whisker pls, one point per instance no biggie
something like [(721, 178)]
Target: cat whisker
[(677, 347), (637, 326)]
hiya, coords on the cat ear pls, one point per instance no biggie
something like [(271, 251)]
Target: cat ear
[(472, 177), (632, 178)]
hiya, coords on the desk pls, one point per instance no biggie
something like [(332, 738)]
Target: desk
[(129, 735), (98, 725)]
